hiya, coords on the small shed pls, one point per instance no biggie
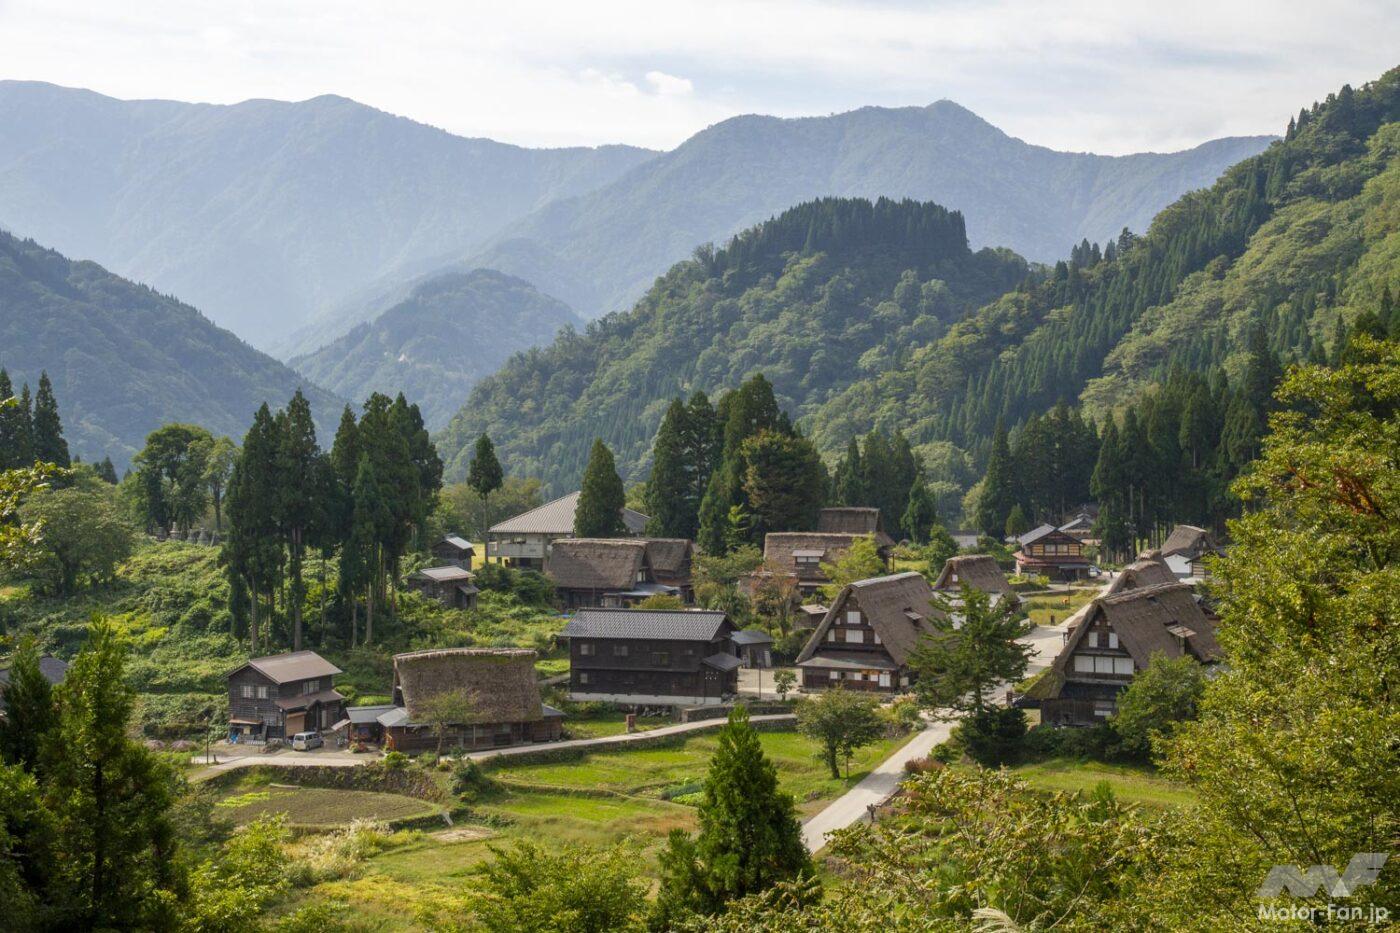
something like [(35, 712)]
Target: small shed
[(451, 585), (753, 647), (454, 550)]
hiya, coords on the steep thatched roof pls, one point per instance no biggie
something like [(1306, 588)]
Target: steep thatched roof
[(1162, 619), (979, 571), (557, 518), (851, 520), (898, 608), (595, 563), (1189, 541), (778, 546), (669, 557), (501, 681), (1143, 572)]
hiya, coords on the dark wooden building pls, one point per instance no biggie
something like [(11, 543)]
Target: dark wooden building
[(1114, 640), (670, 561), (450, 585), (277, 696), (867, 636), (683, 657), (754, 647), (454, 550), (612, 572), (1050, 552), (501, 689)]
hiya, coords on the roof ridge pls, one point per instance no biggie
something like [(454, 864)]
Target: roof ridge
[(1141, 591)]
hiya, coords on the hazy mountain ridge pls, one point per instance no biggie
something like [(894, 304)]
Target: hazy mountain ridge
[(439, 342), (262, 212), (599, 251), (125, 359)]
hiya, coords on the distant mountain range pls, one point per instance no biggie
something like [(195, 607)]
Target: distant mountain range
[(439, 342), (125, 359), (263, 213), (599, 251), (290, 223)]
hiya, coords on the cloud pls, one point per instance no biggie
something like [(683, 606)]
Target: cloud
[(1077, 74), (669, 85)]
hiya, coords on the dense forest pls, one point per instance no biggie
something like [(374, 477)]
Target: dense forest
[(1283, 247), (810, 299)]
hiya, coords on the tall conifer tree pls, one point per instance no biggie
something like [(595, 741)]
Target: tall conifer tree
[(49, 445), (601, 497)]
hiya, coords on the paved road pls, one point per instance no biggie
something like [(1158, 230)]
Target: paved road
[(852, 806), (339, 759)]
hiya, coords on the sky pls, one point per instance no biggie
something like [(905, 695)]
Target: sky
[(1074, 75)]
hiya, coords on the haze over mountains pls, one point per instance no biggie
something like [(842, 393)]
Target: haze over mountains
[(263, 212), (125, 359), (271, 216)]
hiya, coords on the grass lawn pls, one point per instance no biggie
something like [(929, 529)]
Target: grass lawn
[(610, 723), (319, 806), (1055, 608), (1131, 783), (649, 771)]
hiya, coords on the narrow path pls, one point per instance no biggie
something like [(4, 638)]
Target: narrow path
[(334, 759), (853, 806)]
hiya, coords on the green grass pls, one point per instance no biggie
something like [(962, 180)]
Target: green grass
[(599, 725), (1131, 783), (320, 806), (649, 771), (1042, 608)]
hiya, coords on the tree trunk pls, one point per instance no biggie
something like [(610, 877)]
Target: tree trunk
[(296, 588), (253, 620), (369, 613)]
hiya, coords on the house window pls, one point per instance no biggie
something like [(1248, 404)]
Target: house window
[(855, 636), (661, 658), (1113, 639), (1093, 639), (1123, 666), (310, 686), (835, 675), (876, 637), (853, 617), (262, 693), (831, 634), (583, 677), (1083, 664), (1104, 709), (585, 649), (247, 691), (619, 651)]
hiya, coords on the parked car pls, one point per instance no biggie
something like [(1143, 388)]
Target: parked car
[(305, 741)]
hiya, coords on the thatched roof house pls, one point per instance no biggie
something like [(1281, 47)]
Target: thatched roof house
[(854, 520), (1116, 638), (500, 683), (611, 571), (1186, 549), (978, 571), (670, 560), (868, 635), (524, 539), (801, 553)]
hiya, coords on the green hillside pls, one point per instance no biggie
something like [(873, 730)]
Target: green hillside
[(125, 359), (812, 299), (451, 332)]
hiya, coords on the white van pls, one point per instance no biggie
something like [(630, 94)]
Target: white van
[(305, 741)]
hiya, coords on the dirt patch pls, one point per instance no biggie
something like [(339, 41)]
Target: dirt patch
[(462, 834)]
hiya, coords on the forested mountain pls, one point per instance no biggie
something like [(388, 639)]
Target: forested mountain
[(1282, 247), (124, 359), (599, 251), (454, 330), (811, 299), (262, 212)]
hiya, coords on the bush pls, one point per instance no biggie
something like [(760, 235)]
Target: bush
[(787, 647), (904, 711), (1044, 742), (395, 761), (946, 752), (469, 782), (994, 736)]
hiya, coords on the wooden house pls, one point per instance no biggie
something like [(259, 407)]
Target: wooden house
[(1115, 639), (801, 554), (613, 572), (1050, 552), (868, 635), (277, 696), (1186, 549), (977, 571), (500, 688), (450, 585), (670, 560), (809, 615), (847, 520), (524, 540), (362, 723), (454, 550), (683, 657), (753, 647)]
